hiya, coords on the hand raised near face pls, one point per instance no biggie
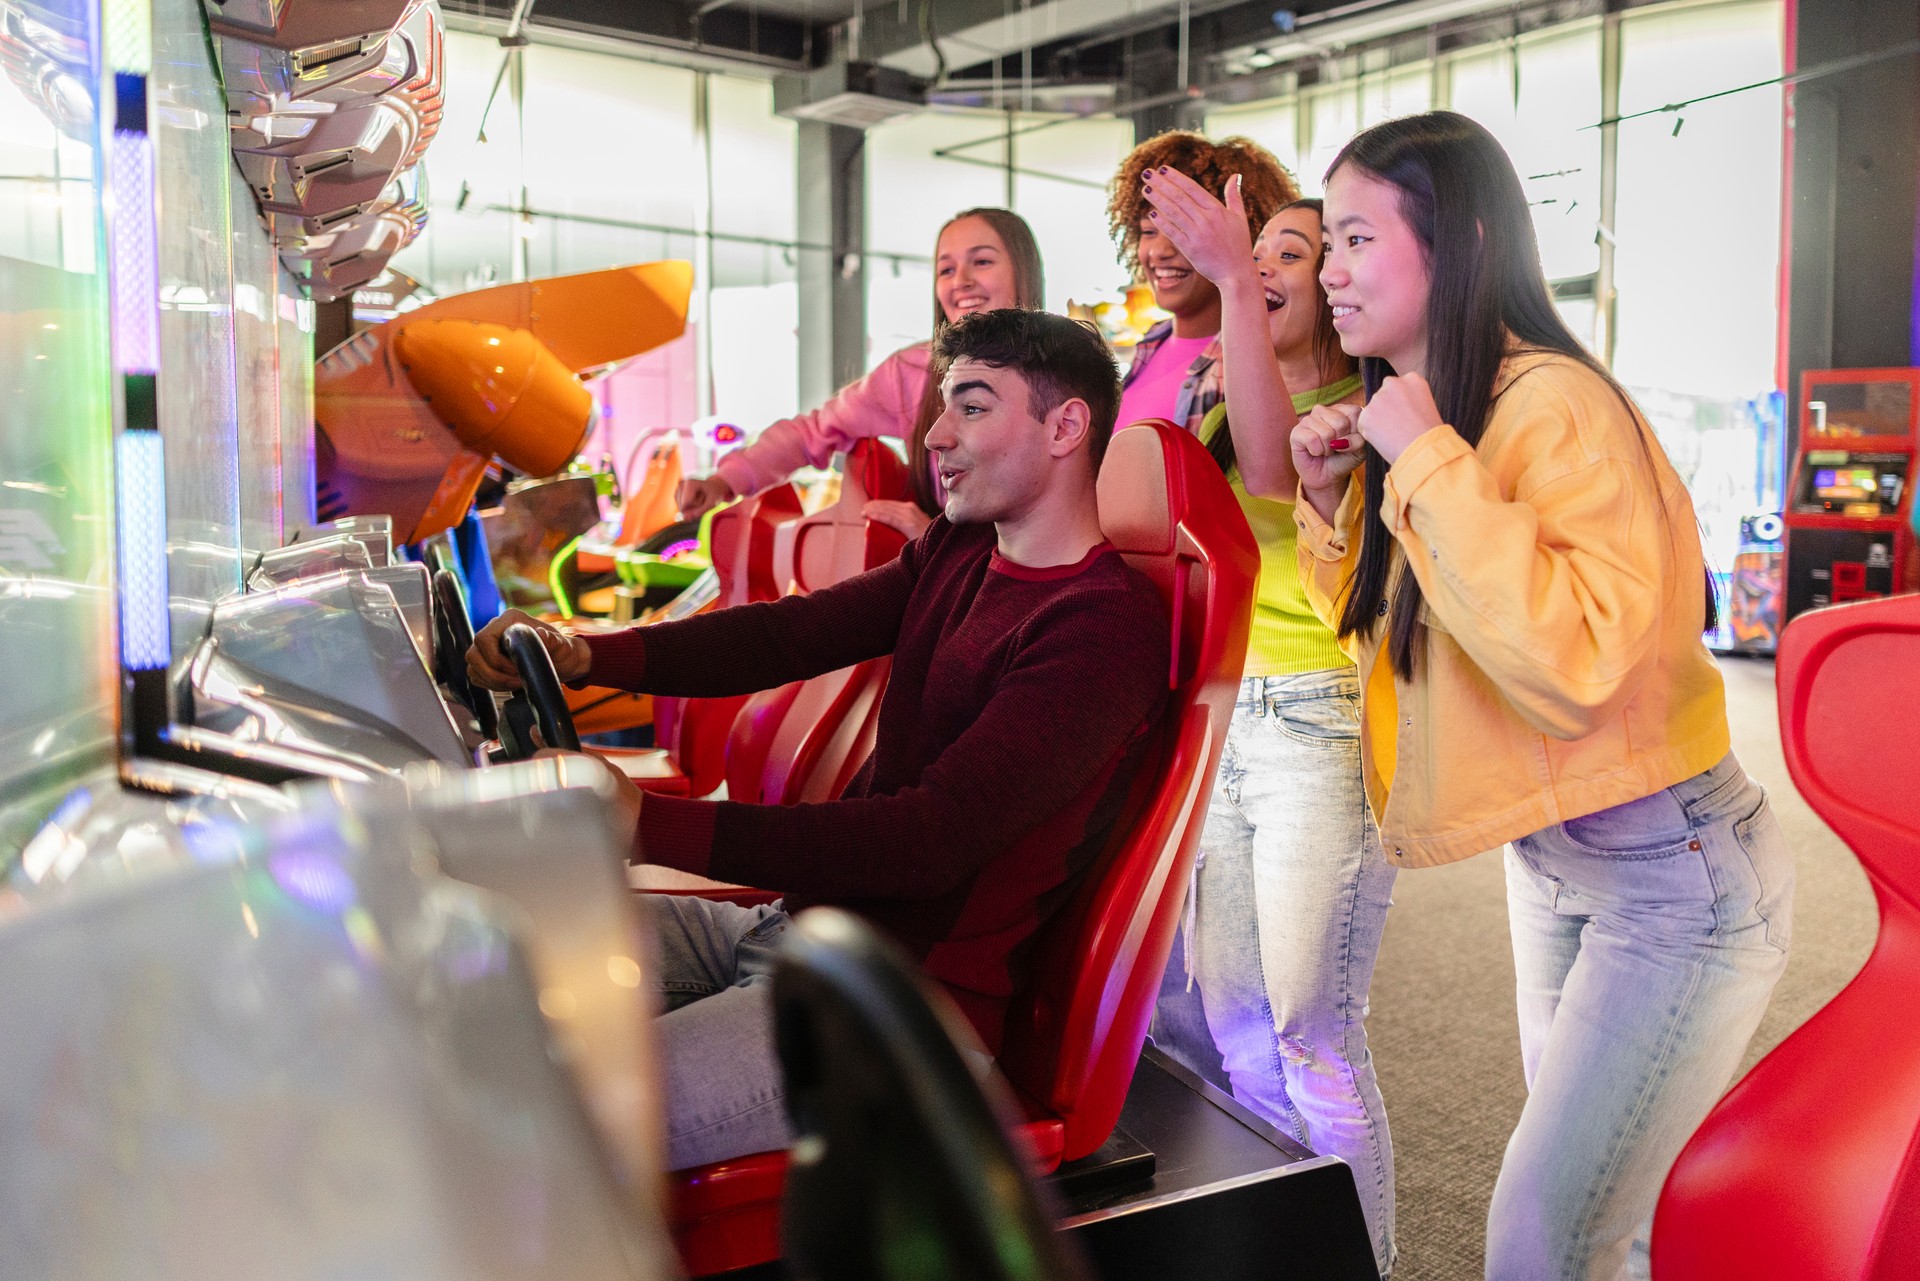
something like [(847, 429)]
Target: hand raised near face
[(1211, 233), (1399, 413), (1327, 447)]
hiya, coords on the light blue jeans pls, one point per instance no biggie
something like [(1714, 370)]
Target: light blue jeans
[(1646, 942), (1289, 901), (719, 1071)]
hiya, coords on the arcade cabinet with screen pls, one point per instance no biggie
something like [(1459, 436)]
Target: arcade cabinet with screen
[(1847, 532)]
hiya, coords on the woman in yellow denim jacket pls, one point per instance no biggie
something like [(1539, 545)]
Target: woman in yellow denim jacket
[(1517, 568)]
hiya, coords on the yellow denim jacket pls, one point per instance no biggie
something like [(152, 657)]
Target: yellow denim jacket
[(1563, 670)]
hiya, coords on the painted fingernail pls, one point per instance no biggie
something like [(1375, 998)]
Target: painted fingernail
[(1149, 188), (1163, 168), (1153, 213), (1339, 443)]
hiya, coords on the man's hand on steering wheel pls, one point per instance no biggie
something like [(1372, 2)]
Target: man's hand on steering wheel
[(489, 666)]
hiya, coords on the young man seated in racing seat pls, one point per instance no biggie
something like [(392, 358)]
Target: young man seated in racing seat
[(1029, 667)]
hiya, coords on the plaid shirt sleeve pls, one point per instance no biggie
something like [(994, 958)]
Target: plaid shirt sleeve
[(1205, 387)]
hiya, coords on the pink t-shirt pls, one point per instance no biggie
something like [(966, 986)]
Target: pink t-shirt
[(1155, 390)]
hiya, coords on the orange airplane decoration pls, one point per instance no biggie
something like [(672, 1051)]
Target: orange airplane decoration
[(409, 414)]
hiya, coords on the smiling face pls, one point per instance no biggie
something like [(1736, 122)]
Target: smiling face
[(1287, 256), (991, 452), (972, 270), (1177, 287), (1376, 272)]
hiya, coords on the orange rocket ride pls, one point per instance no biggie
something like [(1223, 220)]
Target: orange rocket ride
[(409, 414)]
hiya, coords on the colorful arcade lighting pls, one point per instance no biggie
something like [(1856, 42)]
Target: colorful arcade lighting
[(132, 218)]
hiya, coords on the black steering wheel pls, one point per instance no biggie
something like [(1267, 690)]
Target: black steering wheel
[(453, 635), (540, 699)]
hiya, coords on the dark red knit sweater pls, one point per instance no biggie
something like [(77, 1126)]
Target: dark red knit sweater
[(1016, 713)]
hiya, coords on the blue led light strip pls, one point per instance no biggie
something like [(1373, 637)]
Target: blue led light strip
[(145, 637), (134, 265)]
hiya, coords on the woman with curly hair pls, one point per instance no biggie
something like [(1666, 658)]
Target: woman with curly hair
[(984, 259), (1176, 371), (1291, 887)]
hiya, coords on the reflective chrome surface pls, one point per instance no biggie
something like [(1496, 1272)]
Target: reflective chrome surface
[(271, 1041), (103, 836), (375, 531), (309, 558), (539, 833), (229, 698), (344, 639), (408, 581)]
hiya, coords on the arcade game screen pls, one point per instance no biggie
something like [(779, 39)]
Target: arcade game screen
[(1845, 484)]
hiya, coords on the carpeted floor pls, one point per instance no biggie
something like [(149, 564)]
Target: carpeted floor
[(1442, 1026)]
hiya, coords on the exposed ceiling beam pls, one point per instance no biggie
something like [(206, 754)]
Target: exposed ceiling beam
[(727, 39), (975, 31)]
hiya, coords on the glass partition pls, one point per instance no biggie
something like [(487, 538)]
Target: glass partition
[(294, 325), (199, 414), (256, 351), (1274, 124), (57, 702)]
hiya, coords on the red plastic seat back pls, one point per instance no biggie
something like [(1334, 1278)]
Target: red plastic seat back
[(1810, 1167), (741, 540), (805, 742), (1074, 1035), (838, 542), (740, 537)]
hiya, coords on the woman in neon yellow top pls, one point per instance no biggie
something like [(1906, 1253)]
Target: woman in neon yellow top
[(1290, 894)]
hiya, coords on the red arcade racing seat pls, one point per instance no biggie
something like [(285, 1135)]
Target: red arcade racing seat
[(1074, 1036), (1809, 1169), (805, 741), (692, 732)]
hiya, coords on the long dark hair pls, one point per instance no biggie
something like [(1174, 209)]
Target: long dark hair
[(1330, 359), (1030, 292), (1464, 203)]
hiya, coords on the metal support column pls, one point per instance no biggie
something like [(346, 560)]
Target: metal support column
[(1604, 294), (832, 209)]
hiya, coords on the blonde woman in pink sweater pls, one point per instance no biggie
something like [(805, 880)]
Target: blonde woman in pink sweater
[(984, 259)]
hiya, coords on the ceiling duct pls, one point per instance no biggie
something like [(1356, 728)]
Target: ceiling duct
[(859, 95), (1328, 32)]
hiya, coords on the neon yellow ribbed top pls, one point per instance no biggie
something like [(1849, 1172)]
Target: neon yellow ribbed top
[(1288, 637)]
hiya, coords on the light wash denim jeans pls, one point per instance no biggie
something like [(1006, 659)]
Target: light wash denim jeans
[(719, 1071), (1646, 942), (1290, 898)]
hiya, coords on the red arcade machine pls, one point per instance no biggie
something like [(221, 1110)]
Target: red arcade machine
[(1847, 506)]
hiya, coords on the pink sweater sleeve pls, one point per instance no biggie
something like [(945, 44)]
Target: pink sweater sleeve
[(881, 404)]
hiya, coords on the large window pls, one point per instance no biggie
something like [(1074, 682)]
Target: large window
[(1061, 167), (1274, 124), (1541, 98), (1697, 269)]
